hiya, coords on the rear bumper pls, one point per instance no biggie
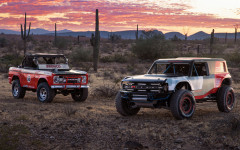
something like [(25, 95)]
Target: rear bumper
[(69, 86)]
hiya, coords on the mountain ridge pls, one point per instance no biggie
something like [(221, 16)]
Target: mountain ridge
[(127, 34)]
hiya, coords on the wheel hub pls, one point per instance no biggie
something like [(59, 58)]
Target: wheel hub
[(43, 94), (186, 105), (15, 90)]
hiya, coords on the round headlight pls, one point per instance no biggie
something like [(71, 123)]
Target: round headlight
[(56, 79)]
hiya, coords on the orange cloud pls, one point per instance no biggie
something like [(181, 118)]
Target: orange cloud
[(79, 15)]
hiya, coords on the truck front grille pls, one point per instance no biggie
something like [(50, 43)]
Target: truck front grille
[(72, 80), (143, 87)]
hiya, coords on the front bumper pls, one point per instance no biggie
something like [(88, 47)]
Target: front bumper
[(69, 86), (144, 96)]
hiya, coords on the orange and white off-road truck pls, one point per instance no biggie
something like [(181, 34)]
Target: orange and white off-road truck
[(177, 84), (48, 75)]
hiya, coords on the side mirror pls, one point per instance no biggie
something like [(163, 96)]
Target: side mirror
[(66, 61)]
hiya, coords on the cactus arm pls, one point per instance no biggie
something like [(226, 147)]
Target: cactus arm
[(21, 31), (29, 29)]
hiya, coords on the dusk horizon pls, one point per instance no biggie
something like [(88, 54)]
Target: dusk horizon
[(188, 16)]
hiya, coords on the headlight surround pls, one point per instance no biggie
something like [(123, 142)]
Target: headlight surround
[(165, 87), (58, 79), (124, 83), (84, 79)]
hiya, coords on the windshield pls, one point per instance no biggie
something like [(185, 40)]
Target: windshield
[(180, 69), (52, 60)]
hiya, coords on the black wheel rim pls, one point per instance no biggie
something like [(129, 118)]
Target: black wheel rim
[(186, 106)]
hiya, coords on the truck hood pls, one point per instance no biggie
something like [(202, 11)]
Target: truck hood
[(152, 78), (146, 78), (70, 72)]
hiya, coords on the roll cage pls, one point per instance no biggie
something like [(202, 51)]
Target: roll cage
[(192, 71), (31, 60)]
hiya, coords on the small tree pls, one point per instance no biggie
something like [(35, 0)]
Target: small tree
[(151, 46)]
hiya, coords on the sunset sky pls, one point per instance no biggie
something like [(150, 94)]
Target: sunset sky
[(118, 15)]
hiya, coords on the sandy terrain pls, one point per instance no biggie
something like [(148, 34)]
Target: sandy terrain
[(95, 124)]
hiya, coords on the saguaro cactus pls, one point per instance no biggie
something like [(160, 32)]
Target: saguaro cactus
[(236, 29), (226, 37), (137, 33), (95, 42), (211, 41), (55, 36), (24, 34)]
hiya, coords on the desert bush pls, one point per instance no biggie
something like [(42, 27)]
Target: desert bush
[(3, 42), (105, 90), (114, 37), (69, 111), (107, 48), (81, 54), (233, 59), (62, 43), (151, 47), (120, 58), (7, 61), (219, 48)]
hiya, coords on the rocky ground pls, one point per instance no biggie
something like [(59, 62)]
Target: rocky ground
[(95, 124)]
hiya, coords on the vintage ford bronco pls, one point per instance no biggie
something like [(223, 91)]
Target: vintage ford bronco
[(48, 75), (177, 84)]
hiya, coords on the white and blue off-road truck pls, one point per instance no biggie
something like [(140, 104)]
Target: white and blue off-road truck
[(177, 84)]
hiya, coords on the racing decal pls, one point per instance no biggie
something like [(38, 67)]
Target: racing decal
[(53, 66), (28, 78), (30, 71)]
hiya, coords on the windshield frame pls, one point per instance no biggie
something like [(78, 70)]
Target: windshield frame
[(150, 71)]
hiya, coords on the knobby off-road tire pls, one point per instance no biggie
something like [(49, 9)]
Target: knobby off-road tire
[(81, 95), (44, 93), (18, 91), (124, 106), (182, 104), (225, 99)]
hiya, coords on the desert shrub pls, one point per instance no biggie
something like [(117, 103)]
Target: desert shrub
[(120, 58), (233, 59), (175, 38), (219, 48), (151, 47), (105, 90), (62, 43), (107, 48), (3, 42), (7, 61), (114, 37), (81, 54), (69, 111), (44, 46)]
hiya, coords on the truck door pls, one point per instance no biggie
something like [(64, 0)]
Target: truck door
[(28, 73), (201, 70)]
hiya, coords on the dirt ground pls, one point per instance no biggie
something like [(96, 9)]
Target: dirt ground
[(95, 124)]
